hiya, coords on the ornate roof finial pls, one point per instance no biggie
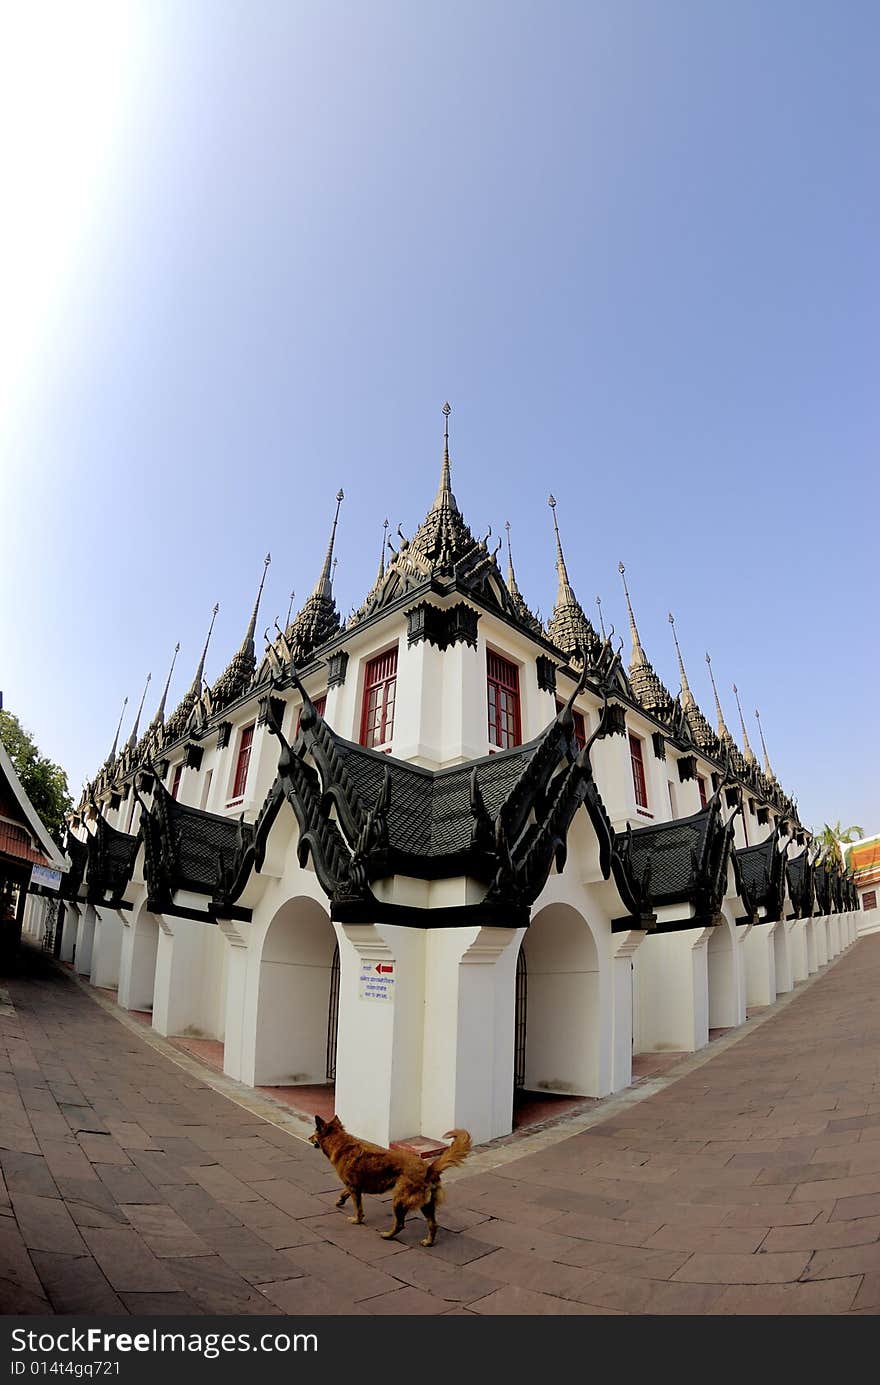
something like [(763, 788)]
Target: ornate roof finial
[(112, 756), (180, 716), (722, 725), (444, 498), (527, 617), (511, 575), (381, 572), (569, 628), (639, 658), (160, 714), (237, 677), (252, 626), (132, 740), (748, 753), (197, 681), (767, 769), (290, 609), (601, 621), (564, 591), (324, 585), (687, 698)]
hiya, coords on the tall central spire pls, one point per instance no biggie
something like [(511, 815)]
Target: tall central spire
[(767, 768), (723, 732), (132, 740), (381, 571), (444, 498), (160, 713), (324, 584), (112, 756), (564, 591), (639, 657), (568, 627), (197, 681), (687, 698), (748, 753), (252, 626)]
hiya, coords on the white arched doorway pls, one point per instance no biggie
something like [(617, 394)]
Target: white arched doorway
[(722, 977), (138, 993), (558, 1029), (297, 970)]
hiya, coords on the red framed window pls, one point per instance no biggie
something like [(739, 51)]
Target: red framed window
[(243, 762), (869, 899), (701, 785), (638, 770), (175, 783), (502, 679), (380, 693), (319, 704), (580, 725)]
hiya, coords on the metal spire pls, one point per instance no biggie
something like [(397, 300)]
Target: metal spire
[(196, 686), (444, 497), (564, 592), (160, 714), (722, 726), (638, 654), (748, 753), (767, 769), (290, 609), (112, 756), (132, 740), (249, 633), (601, 621), (324, 586), (381, 572), (511, 575), (687, 697)]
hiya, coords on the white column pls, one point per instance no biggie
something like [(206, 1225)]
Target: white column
[(106, 947), (797, 947), (69, 930), (178, 974), (674, 991), (624, 947), (760, 957), (782, 955), (834, 943), (236, 999), (85, 936), (820, 933), (379, 1043)]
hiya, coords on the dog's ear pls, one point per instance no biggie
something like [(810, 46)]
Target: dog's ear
[(319, 1125)]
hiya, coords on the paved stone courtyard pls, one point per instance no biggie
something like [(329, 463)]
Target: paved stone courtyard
[(747, 1182)]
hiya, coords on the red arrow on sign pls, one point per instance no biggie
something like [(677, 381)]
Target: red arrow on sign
[(383, 966)]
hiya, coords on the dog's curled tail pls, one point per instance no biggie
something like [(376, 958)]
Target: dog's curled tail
[(456, 1153)]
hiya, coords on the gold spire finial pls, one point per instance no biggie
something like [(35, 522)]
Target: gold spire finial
[(722, 725), (687, 697), (638, 654), (767, 769)]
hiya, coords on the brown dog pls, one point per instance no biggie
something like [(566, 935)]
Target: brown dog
[(366, 1168)]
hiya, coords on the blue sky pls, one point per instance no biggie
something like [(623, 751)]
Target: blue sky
[(255, 246)]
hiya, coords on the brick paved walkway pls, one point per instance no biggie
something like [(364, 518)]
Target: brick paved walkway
[(749, 1184)]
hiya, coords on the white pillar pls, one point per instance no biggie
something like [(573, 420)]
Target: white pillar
[(624, 947), (236, 999), (834, 943), (106, 947), (69, 930), (797, 947), (760, 955), (85, 936), (177, 990), (820, 932), (674, 991), (782, 957)]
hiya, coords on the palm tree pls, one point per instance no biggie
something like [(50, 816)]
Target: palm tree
[(831, 837)]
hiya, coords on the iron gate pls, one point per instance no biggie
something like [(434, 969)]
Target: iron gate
[(333, 1016), (519, 1023)]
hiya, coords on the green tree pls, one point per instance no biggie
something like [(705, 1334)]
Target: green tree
[(44, 782), (831, 837)]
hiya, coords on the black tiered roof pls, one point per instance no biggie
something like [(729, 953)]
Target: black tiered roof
[(681, 862), (760, 876), (111, 858)]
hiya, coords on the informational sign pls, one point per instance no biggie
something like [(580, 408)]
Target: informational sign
[(377, 981), (42, 875)]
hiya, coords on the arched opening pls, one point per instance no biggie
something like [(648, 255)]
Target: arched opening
[(557, 1024), (142, 977), (721, 963), (295, 1049)]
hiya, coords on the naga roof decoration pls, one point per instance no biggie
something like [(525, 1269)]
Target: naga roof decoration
[(238, 676), (177, 723), (111, 857), (187, 849), (760, 878), (78, 855), (568, 626), (646, 686), (442, 551), (681, 862), (502, 820), (800, 874)]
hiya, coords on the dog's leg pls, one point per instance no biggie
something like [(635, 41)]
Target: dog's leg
[(428, 1212), (399, 1210), (343, 1198), (358, 1207)]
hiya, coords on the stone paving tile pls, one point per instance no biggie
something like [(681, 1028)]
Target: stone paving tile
[(75, 1284), (126, 1260), (247, 1254), (821, 1235), (455, 1283), (351, 1277), (165, 1232), (46, 1224), (27, 1173), (170, 1305), (776, 1300), (405, 1302), (273, 1226), (306, 1295), (513, 1301)]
